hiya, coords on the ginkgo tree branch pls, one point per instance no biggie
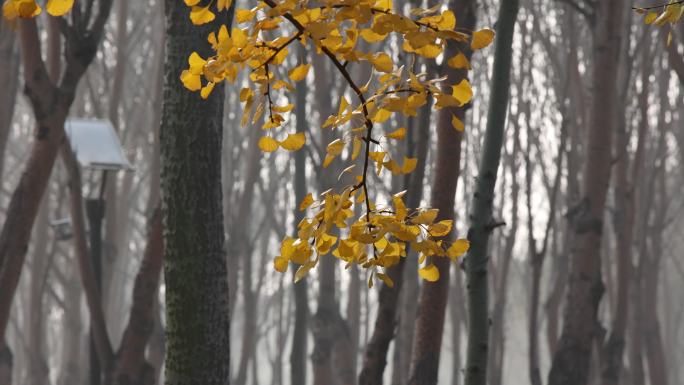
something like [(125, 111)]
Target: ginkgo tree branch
[(368, 123)]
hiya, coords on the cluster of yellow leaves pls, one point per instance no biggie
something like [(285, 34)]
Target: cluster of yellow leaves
[(260, 44), (669, 14), (334, 29), (376, 241), (12, 9)]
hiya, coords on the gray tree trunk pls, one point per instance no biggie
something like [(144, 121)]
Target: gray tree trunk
[(197, 314), (481, 217)]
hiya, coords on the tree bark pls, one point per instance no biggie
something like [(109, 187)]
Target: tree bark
[(429, 327), (9, 60), (571, 360), (301, 301), (131, 367), (197, 314), (481, 217)]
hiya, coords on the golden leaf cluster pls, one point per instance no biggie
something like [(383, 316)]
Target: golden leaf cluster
[(260, 44)]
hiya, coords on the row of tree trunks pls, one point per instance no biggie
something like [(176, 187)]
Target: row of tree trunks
[(50, 102)]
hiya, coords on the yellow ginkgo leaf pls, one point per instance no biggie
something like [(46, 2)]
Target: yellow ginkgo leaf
[(429, 273), (409, 165), (462, 92), (191, 81), (372, 37), (223, 4), (457, 123), (381, 116), (12, 9), (293, 142), (191, 3), (59, 7), (280, 264), (382, 62), (460, 61), (206, 90), (268, 144), (482, 39), (425, 217), (299, 73), (399, 133), (244, 15), (386, 279), (440, 228), (356, 148), (306, 202), (201, 15), (335, 147), (458, 248), (650, 17), (302, 271)]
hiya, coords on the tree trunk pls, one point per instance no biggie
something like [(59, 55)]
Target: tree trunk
[(197, 314), (9, 60), (301, 300), (570, 364), (623, 224), (131, 367), (375, 353), (427, 341), (481, 217)]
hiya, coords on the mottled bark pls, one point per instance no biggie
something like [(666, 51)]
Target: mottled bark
[(197, 314), (570, 364)]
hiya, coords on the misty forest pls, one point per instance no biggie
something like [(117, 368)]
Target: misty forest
[(341, 192)]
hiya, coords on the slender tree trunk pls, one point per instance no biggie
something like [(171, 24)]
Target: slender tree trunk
[(197, 314), (375, 353), (9, 78), (623, 224), (131, 367), (418, 132), (98, 327), (301, 301), (429, 326), (498, 338), (481, 217), (38, 368), (571, 360)]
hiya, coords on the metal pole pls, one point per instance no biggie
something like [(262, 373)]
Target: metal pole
[(95, 209)]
